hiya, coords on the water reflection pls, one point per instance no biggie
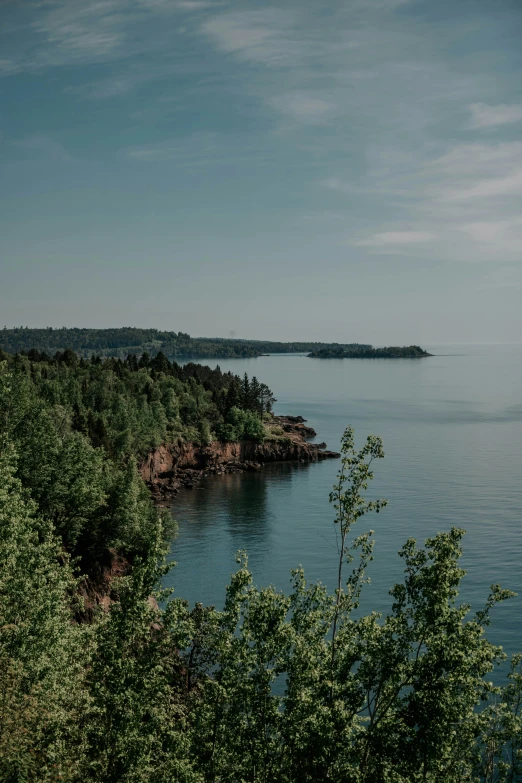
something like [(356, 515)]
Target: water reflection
[(219, 517)]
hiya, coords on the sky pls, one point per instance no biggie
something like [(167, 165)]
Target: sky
[(311, 169)]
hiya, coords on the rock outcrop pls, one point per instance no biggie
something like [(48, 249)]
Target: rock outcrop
[(176, 465)]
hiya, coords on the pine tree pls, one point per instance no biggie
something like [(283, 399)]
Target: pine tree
[(245, 392)]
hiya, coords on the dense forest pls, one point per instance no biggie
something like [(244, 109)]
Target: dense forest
[(127, 340), (392, 352), (76, 420), (276, 688)]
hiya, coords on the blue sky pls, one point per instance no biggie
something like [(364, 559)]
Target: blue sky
[(304, 170)]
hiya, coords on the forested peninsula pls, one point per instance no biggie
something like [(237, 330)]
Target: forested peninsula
[(105, 677), (367, 352), (116, 422), (175, 345)]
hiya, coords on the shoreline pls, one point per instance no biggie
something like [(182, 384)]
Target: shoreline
[(171, 467)]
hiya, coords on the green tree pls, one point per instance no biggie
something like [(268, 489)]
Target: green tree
[(243, 425), (43, 655), (139, 730), (365, 698), (267, 398)]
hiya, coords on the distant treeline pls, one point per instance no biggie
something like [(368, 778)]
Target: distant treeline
[(123, 341), (393, 352)]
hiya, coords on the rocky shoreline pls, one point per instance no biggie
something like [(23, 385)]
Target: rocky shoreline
[(172, 467)]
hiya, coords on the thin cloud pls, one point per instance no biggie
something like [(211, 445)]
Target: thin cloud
[(178, 5), (485, 116), (80, 33), (334, 183), (359, 99), (201, 150), (394, 238), (476, 171), (350, 188), (509, 185), (498, 233), (264, 36), (92, 32), (466, 199), (304, 108)]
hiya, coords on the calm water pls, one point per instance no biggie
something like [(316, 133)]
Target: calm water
[(452, 431)]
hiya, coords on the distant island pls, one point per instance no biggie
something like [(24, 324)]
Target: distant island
[(367, 352), (123, 341)]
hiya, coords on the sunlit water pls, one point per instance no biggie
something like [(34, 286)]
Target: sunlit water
[(452, 431)]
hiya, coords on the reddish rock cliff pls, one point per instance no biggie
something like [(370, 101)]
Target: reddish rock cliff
[(173, 465)]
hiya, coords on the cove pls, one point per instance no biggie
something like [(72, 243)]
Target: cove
[(452, 432)]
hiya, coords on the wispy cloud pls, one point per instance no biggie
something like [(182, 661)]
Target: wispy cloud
[(474, 171), (464, 203), (304, 108), (396, 238), (507, 185), (485, 116), (343, 186), (79, 33), (499, 236), (93, 32), (261, 36), (167, 6), (366, 69), (201, 150), (358, 99)]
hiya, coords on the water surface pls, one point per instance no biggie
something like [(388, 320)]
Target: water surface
[(452, 431)]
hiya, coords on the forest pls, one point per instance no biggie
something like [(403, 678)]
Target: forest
[(80, 426), (276, 687), (367, 352), (123, 341)]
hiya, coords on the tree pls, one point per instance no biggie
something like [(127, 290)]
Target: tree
[(365, 698), (275, 688), (255, 396), (139, 729), (245, 392), (233, 398), (43, 655), (267, 398), (205, 436)]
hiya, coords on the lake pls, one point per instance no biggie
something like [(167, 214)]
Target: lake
[(452, 432)]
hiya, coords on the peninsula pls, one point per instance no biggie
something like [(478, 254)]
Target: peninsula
[(177, 423), (125, 341), (173, 466)]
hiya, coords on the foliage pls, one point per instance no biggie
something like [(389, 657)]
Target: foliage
[(121, 342), (82, 425), (139, 728), (275, 688), (364, 699), (367, 352), (128, 407), (243, 425), (43, 655)]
